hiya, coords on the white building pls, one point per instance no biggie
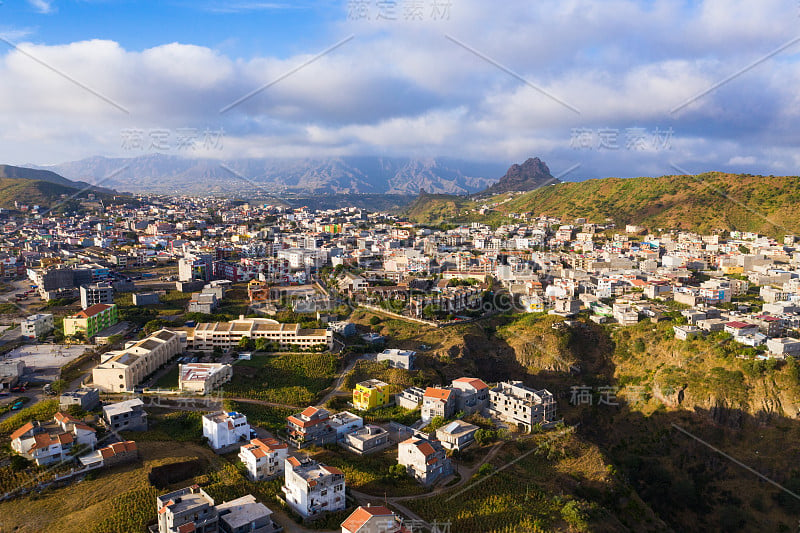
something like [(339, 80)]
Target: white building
[(97, 293), (398, 358), (311, 488), (425, 459), (121, 371), (263, 458), (225, 431), (207, 336), (202, 378), (37, 325)]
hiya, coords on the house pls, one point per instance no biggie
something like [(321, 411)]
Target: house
[(311, 488), (187, 510), (425, 459), (54, 441), (398, 358), (514, 403), (225, 431), (86, 398), (685, 333), (246, 515), (438, 402), (311, 426), (123, 370), (126, 416), (351, 283), (202, 378), (97, 293), (37, 325), (344, 423), (367, 439), (472, 395), (457, 435), (783, 346), (91, 320), (410, 398), (370, 394), (625, 314), (112, 455), (373, 519), (740, 329), (263, 458)]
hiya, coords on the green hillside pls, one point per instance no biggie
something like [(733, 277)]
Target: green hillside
[(766, 204), (31, 192), (10, 171)]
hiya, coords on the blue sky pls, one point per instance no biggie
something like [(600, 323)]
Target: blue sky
[(613, 88)]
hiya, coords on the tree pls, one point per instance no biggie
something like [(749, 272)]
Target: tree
[(397, 471), (374, 321)]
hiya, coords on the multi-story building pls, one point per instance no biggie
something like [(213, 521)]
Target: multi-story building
[(410, 398), (37, 325), (195, 268), (202, 378), (246, 515), (514, 403), (373, 519), (96, 293), (207, 336), (370, 394), (91, 320), (425, 459), (187, 510), (472, 395), (366, 439), (456, 435), (438, 402), (311, 426), (123, 370), (225, 431), (311, 488), (263, 458), (128, 415)]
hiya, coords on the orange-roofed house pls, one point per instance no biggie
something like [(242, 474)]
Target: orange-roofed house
[(438, 402), (311, 488), (264, 458), (425, 459), (472, 395), (373, 519), (311, 426), (50, 442), (91, 320)]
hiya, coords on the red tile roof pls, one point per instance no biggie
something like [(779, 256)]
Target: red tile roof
[(361, 516), (439, 394), (91, 311), (474, 382), (21, 431)]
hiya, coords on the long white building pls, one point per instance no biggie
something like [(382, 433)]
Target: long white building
[(209, 335)]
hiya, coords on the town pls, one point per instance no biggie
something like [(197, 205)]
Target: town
[(244, 328)]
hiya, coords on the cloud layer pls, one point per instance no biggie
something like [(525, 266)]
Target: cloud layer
[(644, 83)]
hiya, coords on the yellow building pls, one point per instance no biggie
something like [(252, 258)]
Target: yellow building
[(732, 270), (370, 394)]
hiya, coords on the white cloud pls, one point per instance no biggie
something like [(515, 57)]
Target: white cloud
[(42, 6)]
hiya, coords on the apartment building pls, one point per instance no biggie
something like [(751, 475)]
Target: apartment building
[(202, 378), (37, 325), (187, 510), (207, 336), (398, 358), (225, 431), (370, 394), (514, 403), (96, 293), (472, 395), (91, 320), (128, 415), (425, 459), (86, 398), (263, 458), (311, 488), (122, 370)]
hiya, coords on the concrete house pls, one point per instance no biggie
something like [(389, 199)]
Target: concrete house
[(126, 416), (311, 426), (367, 439), (311, 488), (263, 458), (425, 459), (457, 435), (225, 431), (438, 402), (514, 403), (373, 519)]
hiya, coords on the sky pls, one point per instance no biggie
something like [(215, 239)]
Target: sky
[(614, 88)]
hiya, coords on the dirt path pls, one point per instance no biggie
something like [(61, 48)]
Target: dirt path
[(334, 389)]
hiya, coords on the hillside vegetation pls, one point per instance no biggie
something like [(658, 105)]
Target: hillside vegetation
[(714, 200), (31, 192)]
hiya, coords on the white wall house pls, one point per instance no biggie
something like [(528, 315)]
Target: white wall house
[(225, 430), (311, 488)]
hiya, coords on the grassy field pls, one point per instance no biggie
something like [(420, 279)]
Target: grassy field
[(292, 379), (270, 418), (169, 380)]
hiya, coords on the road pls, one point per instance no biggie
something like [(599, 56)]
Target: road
[(340, 380)]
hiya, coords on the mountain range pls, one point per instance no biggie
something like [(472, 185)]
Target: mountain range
[(159, 173)]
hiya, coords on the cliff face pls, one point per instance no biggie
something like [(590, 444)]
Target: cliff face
[(530, 175)]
